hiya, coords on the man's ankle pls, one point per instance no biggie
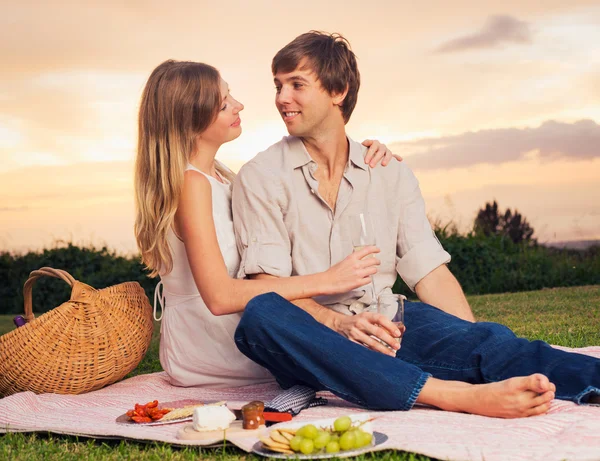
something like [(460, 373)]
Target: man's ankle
[(446, 395)]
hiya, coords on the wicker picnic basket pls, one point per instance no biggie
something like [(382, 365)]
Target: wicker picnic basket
[(86, 343)]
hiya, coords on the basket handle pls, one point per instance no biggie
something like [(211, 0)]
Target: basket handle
[(28, 287)]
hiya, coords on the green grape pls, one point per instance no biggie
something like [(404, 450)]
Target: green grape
[(363, 438), (321, 439), (347, 440), (342, 424), (308, 432), (357, 438), (307, 446), (334, 437), (295, 443), (332, 447)]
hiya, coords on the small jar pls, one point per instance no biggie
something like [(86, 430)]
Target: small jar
[(252, 415)]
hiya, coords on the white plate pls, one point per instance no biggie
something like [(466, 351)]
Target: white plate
[(378, 439), (126, 420)]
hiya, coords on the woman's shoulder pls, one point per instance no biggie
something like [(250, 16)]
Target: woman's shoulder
[(195, 178), (196, 186)]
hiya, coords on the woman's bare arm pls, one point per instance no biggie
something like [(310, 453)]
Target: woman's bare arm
[(225, 295)]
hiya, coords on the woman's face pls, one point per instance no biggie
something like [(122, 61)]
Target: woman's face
[(227, 125)]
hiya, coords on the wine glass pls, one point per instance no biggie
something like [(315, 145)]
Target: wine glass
[(361, 230), (362, 233), (392, 303)]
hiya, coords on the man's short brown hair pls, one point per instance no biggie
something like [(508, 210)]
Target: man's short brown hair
[(330, 57)]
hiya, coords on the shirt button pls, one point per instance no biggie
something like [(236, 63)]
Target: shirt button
[(312, 191), (253, 239)]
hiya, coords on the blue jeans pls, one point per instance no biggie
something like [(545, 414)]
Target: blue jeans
[(297, 349)]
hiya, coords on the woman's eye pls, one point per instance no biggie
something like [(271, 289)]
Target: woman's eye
[(224, 107)]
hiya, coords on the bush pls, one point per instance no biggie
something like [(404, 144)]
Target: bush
[(481, 264), (98, 267), (495, 264)]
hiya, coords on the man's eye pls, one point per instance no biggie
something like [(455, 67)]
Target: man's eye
[(297, 85), (277, 89)]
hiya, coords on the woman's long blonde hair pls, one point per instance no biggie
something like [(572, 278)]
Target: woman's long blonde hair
[(180, 100)]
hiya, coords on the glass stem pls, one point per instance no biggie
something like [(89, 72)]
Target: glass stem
[(374, 292)]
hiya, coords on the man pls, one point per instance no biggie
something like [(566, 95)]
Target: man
[(289, 205)]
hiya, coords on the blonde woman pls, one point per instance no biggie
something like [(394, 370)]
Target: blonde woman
[(184, 228)]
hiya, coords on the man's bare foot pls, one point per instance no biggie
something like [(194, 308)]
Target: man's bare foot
[(512, 398)]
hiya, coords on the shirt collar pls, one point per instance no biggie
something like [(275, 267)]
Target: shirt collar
[(357, 154), (299, 156)]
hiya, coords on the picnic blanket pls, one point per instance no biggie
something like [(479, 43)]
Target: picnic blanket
[(567, 432)]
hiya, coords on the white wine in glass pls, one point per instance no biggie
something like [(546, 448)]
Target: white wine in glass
[(362, 233), (388, 303), (361, 230)]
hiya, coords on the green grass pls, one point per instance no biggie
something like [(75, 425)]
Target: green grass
[(563, 316)]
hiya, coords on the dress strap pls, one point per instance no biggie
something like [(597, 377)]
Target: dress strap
[(159, 296)]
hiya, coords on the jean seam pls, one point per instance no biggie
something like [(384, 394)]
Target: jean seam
[(414, 395), (486, 348), (590, 390), (438, 365), (255, 345)]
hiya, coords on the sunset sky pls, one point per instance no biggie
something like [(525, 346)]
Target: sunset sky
[(485, 100)]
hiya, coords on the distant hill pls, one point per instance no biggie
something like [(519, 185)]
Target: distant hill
[(574, 244)]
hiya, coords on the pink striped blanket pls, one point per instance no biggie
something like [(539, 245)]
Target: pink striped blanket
[(567, 432)]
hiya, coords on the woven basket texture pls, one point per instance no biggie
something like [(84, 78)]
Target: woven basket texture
[(92, 340)]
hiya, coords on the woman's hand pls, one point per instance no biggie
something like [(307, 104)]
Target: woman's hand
[(361, 327), (378, 152), (353, 272)]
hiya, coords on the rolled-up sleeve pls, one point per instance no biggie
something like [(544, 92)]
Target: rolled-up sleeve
[(261, 236), (418, 251)]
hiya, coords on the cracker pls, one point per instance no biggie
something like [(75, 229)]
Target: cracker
[(287, 435), (278, 437), (281, 450), (270, 443), (285, 429), (184, 412), (217, 404)]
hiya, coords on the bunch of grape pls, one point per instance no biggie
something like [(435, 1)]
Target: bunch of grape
[(343, 436)]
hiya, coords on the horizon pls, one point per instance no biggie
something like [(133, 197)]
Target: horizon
[(495, 101)]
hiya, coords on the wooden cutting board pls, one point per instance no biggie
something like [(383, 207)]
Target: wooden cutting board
[(187, 432)]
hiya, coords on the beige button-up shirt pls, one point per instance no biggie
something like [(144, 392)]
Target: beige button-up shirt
[(283, 227)]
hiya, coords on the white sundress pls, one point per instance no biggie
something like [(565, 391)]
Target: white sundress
[(196, 347)]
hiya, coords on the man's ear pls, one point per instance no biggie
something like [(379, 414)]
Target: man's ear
[(338, 98)]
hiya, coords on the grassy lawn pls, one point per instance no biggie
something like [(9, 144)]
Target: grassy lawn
[(563, 316)]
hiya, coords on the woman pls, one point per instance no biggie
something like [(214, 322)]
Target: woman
[(184, 228)]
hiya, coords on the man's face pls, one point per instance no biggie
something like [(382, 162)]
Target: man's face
[(305, 106)]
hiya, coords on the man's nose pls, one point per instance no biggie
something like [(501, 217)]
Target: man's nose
[(284, 96)]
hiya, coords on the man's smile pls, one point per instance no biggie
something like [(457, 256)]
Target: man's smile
[(289, 115)]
